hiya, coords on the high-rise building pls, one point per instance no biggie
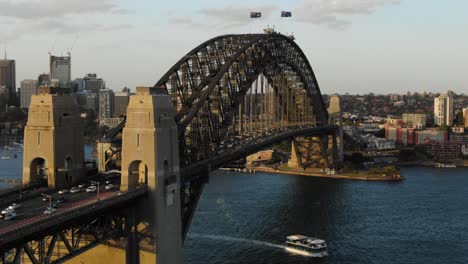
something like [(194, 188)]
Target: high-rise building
[(77, 85), (7, 81), (60, 69), (88, 101), (121, 100), (3, 98), (443, 109), (89, 83), (43, 79), (92, 83), (106, 103), (465, 116), (28, 88)]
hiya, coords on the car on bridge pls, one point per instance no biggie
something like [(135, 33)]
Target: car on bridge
[(50, 210), (91, 188), (75, 189), (6, 211), (10, 215), (13, 206), (63, 191), (110, 186)]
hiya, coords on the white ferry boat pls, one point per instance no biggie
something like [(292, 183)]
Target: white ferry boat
[(442, 165), (314, 246)]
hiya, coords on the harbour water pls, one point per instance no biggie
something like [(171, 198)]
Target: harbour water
[(245, 218), (12, 168)]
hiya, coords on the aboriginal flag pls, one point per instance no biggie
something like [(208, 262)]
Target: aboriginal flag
[(255, 14), (286, 14)]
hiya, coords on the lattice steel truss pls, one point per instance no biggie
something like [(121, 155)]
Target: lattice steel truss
[(209, 87), (235, 88), (61, 244)]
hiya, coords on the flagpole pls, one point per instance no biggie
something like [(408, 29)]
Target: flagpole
[(254, 15), (286, 15)]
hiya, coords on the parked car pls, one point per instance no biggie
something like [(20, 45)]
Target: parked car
[(109, 186), (91, 188), (63, 191), (75, 189), (82, 185)]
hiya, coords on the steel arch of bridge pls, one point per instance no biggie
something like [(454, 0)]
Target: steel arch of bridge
[(217, 74), (209, 87)]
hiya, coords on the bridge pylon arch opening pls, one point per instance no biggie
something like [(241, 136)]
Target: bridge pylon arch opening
[(138, 173), (38, 170)]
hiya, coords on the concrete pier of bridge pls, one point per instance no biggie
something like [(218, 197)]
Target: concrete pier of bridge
[(150, 156)]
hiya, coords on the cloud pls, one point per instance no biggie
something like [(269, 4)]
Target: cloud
[(38, 9), (333, 13), (56, 16), (56, 26), (232, 16), (121, 11), (181, 21)]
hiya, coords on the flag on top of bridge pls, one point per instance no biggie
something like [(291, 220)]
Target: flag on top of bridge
[(286, 14), (255, 14)]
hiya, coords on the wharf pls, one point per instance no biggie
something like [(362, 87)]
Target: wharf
[(361, 177)]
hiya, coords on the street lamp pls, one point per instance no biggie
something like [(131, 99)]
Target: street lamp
[(50, 199), (21, 188), (98, 196)]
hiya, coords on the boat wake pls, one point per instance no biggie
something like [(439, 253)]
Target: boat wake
[(252, 241)]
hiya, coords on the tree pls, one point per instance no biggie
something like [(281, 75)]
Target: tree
[(407, 154), (458, 121), (443, 127)]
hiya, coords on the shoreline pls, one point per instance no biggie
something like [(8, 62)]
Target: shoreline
[(459, 164), (317, 175)]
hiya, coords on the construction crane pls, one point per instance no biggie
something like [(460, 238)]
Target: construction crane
[(53, 46), (72, 46)]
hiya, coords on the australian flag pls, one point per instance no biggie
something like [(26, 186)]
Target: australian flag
[(255, 14), (286, 14)]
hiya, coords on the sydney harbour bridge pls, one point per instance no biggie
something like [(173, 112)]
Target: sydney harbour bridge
[(228, 98)]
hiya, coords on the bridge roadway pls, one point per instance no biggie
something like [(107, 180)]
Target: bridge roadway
[(252, 146), (31, 220)]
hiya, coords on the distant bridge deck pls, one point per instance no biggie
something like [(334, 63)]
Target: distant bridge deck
[(251, 147)]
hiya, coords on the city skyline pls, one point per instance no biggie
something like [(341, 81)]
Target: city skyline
[(353, 46)]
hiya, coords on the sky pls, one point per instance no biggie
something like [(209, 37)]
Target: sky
[(354, 46)]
